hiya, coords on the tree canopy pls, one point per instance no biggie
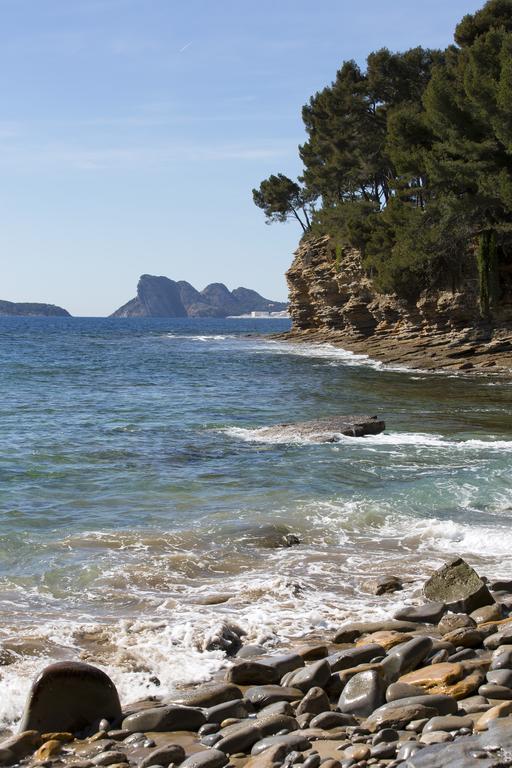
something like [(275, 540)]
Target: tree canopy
[(410, 161)]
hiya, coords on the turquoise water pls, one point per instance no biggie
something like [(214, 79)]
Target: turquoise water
[(135, 490)]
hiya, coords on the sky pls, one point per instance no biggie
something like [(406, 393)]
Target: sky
[(133, 131)]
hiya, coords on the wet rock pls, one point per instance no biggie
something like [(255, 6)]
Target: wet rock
[(239, 738), (408, 750), (447, 723), (501, 585), (458, 586), (427, 613), (70, 696), (399, 716), (493, 691), (263, 695), (279, 708), (171, 717), (501, 659), (249, 672), (328, 720), (207, 758), (315, 675), (221, 712), (384, 585), (110, 758), (358, 752), (314, 702), (487, 613), (269, 725), (362, 694), (500, 677), (499, 638), (17, 747), (435, 737), (208, 695), (443, 705), (384, 751), (339, 680), (485, 750), (494, 713), (48, 749), (352, 657), (293, 741), (326, 430), (226, 637), (465, 637), (283, 663), (434, 677), (351, 631), (405, 657), (250, 650), (400, 690), (474, 705), (313, 652), (452, 621)]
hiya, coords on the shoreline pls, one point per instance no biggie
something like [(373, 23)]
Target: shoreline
[(419, 688), (464, 352)]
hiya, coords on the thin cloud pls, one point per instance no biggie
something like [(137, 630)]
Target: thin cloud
[(185, 47)]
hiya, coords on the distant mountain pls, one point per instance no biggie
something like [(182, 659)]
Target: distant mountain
[(31, 309), (162, 297)]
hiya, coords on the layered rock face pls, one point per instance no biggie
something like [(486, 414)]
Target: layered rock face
[(333, 300), (162, 297), (31, 309), (334, 293)]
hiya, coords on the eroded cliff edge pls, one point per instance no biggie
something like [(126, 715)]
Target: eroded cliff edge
[(333, 300)]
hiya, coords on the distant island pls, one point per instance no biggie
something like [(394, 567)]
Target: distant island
[(31, 309), (162, 297)]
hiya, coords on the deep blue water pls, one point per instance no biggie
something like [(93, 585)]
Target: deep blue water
[(134, 484)]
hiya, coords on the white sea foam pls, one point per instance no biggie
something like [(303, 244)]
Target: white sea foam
[(389, 439), (205, 337)]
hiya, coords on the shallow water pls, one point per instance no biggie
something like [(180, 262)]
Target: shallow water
[(134, 484)]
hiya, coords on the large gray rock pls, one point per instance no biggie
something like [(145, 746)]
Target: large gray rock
[(362, 694), (294, 741), (207, 695), (458, 586), (171, 717), (70, 696), (427, 613), (315, 675), (249, 672), (326, 430)]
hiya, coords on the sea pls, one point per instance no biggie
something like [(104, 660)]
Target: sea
[(142, 511)]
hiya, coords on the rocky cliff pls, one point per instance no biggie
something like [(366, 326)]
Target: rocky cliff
[(162, 297), (31, 309), (332, 299)]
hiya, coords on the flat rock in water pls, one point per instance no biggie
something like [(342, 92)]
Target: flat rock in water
[(70, 696), (327, 430)]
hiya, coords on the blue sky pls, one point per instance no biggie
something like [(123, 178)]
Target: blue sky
[(132, 133)]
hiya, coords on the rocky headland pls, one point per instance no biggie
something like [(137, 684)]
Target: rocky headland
[(162, 297), (332, 300), (428, 687), (31, 309)]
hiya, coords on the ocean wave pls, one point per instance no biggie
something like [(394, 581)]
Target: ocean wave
[(385, 439), (204, 337)]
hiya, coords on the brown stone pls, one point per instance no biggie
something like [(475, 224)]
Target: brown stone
[(434, 676), (386, 639), (500, 710), (48, 749)]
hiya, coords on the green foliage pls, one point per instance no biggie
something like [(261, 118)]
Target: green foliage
[(281, 198), (410, 161)]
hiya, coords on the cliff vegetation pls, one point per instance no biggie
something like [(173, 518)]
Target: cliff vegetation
[(408, 162)]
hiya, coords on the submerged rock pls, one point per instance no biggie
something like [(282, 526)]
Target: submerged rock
[(328, 430), (70, 696)]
